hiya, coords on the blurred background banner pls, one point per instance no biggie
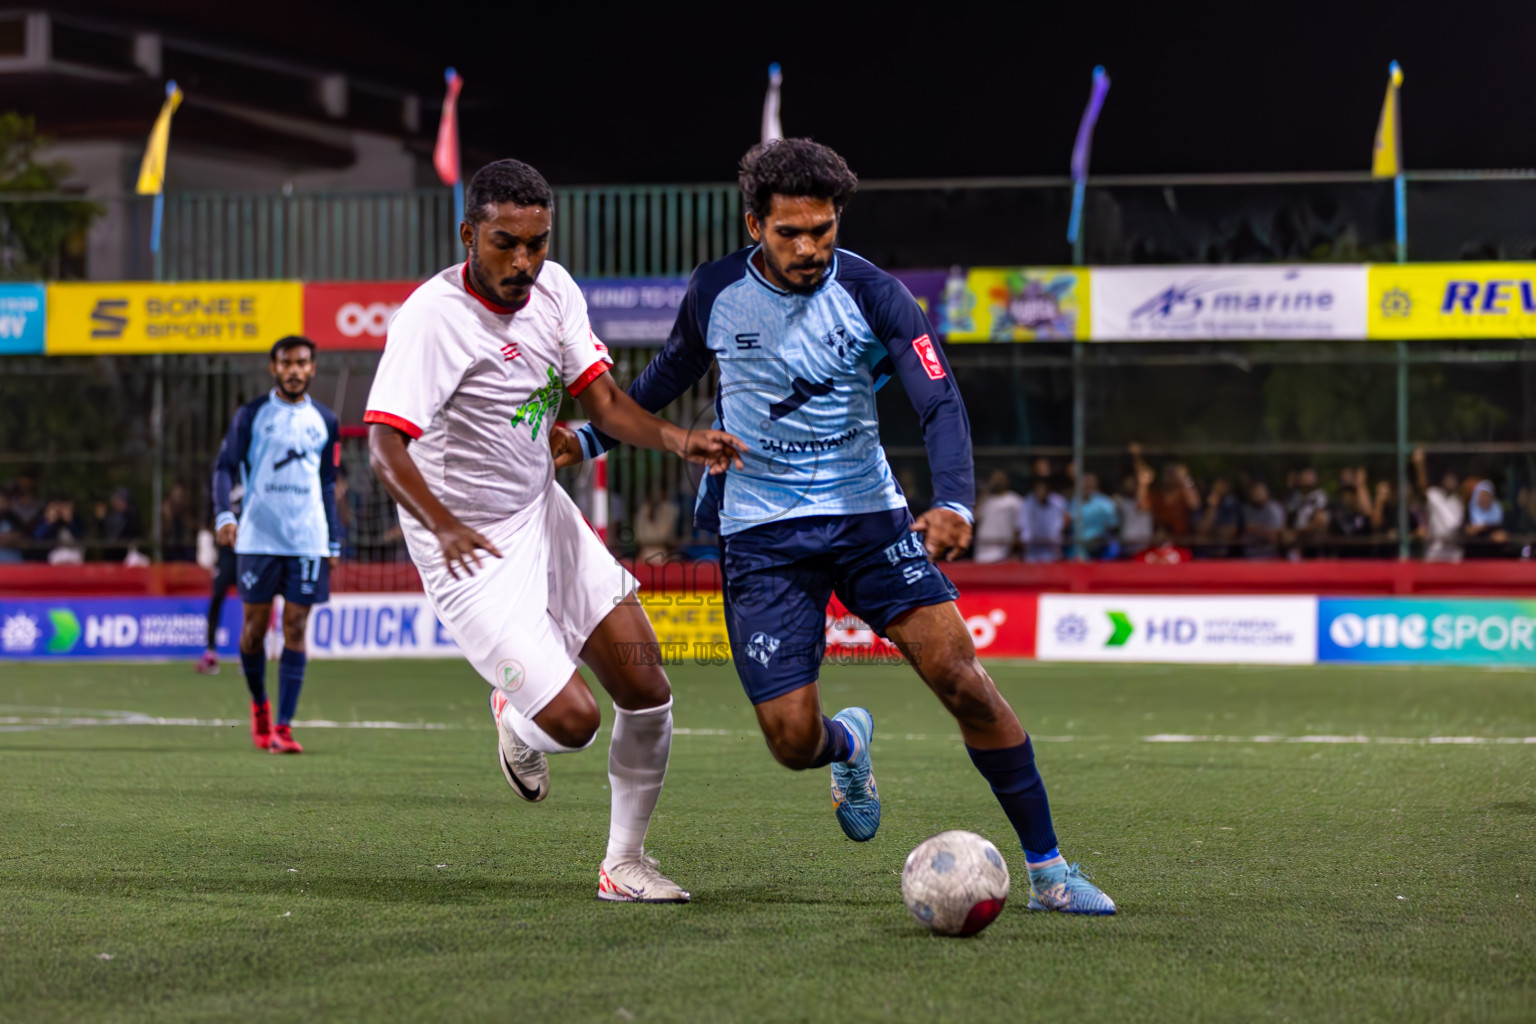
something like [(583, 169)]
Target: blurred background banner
[(1453, 300), (348, 315), (1427, 631), (633, 311), (1018, 304), (22, 312), (113, 628), (1271, 303), (123, 319)]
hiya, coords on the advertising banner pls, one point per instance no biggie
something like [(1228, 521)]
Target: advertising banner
[(633, 311), (1018, 304), (1452, 300), (377, 626), (198, 316), (1230, 630), (116, 628), (21, 319), (927, 287), (1427, 631), (352, 314), (1229, 303), (692, 627)]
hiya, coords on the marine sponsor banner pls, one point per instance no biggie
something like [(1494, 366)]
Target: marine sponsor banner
[(200, 316), (1452, 300), (1229, 302), (352, 314), (1427, 631), (116, 628), (1233, 630), (377, 626), (1017, 304), (22, 308)]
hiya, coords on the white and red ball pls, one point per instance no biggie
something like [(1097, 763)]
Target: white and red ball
[(955, 883)]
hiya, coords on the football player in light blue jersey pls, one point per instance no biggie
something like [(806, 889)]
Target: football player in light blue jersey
[(803, 334), (283, 450)]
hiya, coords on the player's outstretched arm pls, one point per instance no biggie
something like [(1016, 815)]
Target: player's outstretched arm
[(397, 471), (619, 416)]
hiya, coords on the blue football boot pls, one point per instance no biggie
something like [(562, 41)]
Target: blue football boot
[(1065, 887), (853, 784)]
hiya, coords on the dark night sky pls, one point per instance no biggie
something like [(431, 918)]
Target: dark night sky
[(665, 92)]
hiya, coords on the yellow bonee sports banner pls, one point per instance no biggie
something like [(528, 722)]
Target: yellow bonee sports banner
[(196, 316), (1451, 300), (152, 169), (1018, 304), (689, 626)]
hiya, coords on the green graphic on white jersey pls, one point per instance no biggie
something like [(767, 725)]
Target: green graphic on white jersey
[(542, 404)]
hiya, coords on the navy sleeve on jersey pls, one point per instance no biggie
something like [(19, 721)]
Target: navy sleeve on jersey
[(329, 460), (226, 468), (677, 367), (916, 358)]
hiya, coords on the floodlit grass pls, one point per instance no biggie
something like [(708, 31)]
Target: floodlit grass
[(389, 874)]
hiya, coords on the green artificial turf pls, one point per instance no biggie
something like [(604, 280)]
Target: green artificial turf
[(389, 874)]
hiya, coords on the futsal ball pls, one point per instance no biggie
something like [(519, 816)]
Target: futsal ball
[(955, 883)]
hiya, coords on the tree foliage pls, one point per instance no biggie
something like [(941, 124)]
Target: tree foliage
[(42, 235)]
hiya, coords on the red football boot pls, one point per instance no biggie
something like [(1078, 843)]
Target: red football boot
[(261, 724), (283, 741)]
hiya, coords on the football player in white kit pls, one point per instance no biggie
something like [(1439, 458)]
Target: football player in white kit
[(460, 416)]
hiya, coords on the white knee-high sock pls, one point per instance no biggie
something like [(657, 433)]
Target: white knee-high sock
[(529, 732), (637, 764)]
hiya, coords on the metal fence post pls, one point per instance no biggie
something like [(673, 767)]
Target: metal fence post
[(157, 480), (1403, 547)]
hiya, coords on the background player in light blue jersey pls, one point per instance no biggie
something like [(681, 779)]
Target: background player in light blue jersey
[(804, 334), (283, 448)]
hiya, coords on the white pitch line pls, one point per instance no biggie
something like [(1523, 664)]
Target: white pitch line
[(131, 718), (10, 723), (1167, 737)]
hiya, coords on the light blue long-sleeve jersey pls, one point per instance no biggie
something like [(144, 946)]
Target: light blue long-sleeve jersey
[(285, 454), (798, 376)]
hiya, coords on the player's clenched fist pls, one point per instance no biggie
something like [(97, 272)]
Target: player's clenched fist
[(945, 533), (564, 446), (714, 448), (226, 534), (461, 548)]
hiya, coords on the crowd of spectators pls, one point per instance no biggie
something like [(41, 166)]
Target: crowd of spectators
[(1165, 514), (64, 531)]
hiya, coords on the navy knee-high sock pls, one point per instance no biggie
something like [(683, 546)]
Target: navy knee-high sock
[(1018, 787), (255, 666), (836, 746), (290, 680)]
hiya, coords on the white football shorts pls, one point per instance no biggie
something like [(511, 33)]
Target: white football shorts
[(522, 619)]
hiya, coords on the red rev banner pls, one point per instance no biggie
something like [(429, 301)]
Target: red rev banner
[(1002, 624), (352, 314)]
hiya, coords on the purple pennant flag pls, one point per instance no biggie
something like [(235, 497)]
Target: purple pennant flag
[(1084, 142)]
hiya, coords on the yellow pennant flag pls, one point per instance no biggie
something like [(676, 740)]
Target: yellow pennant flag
[(152, 170), (1387, 155)]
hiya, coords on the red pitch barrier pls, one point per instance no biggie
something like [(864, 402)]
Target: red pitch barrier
[(1361, 578)]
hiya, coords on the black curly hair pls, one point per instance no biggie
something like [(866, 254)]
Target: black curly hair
[(794, 167), (505, 181)]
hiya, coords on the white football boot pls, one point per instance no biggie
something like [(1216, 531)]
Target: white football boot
[(526, 769), (637, 880)]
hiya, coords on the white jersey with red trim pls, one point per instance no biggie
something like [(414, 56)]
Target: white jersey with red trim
[(477, 386)]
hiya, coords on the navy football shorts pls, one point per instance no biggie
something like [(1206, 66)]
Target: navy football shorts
[(779, 576), (300, 579)]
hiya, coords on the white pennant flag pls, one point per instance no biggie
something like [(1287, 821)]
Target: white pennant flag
[(771, 127)]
